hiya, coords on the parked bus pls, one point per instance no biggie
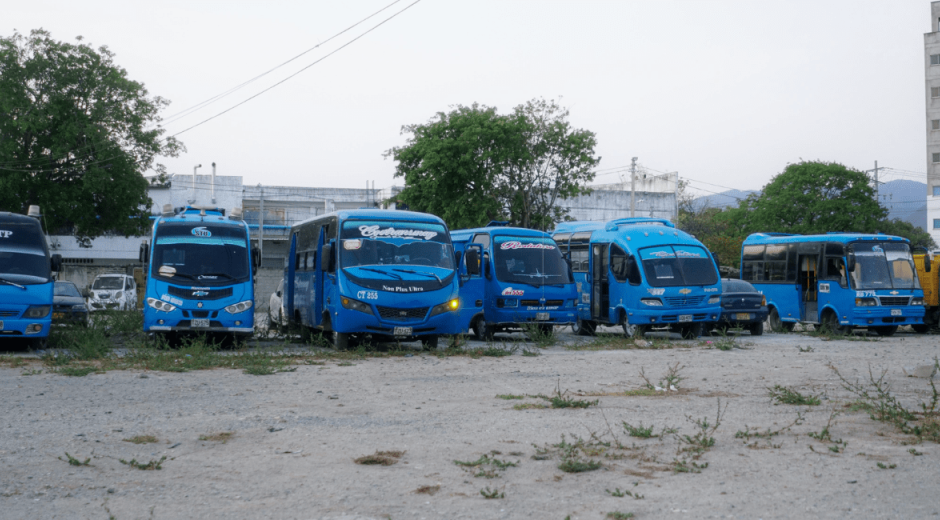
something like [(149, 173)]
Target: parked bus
[(385, 274), (201, 277), (523, 280), (928, 272), (838, 280), (640, 273), (26, 283)]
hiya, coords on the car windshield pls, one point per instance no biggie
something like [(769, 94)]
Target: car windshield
[(187, 252), (529, 260), (108, 283), (671, 266), (66, 289), (883, 265), (395, 243)]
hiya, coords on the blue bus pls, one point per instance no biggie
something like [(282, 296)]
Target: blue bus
[(386, 274), (640, 273), (836, 280), (523, 280), (201, 277), (26, 283)]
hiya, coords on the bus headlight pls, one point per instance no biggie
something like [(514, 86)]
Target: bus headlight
[(917, 301), (714, 300), (356, 305), (865, 302), (451, 305), (161, 305), (238, 307), (37, 311), (652, 302)]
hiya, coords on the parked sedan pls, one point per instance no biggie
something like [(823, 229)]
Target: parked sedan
[(742, 306), (68, 306)]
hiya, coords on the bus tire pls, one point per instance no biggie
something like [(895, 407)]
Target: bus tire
[(340, 340), (482, 331), (583, 328), (921, 328), (691, 331), (886, 331), (633, 331), (776, 324), (830, 323), (38, 343), (757, 329), (429, 342)]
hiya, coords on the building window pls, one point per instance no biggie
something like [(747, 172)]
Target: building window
[(934, 92), (935, 59), (935, 124), (936, 157), (936, 223), (936, 191)]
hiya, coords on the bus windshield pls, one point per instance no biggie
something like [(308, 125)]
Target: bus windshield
[(23, 257), (371, 243), (671, 266), (883, 266), (530, 260), (198, 252)]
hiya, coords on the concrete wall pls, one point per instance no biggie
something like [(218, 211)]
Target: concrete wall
[(609, 205)]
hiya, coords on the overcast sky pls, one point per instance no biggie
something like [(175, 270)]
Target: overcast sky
[(724, 92)]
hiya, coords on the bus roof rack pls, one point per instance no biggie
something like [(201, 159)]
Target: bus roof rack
[(635, 221), (498, 223)]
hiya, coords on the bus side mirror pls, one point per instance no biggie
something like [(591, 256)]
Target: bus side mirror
[(255, 257), (144, 254), (473, 262), (715, 257), (56, 262), (922, 251), (850, 263), (329, 259)]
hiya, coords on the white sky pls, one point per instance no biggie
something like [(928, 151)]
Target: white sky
[(724, 92)]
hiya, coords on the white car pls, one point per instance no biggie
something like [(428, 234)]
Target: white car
[(113, 292), (276, 308)]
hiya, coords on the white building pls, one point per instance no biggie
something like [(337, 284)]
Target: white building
[(932, 90)]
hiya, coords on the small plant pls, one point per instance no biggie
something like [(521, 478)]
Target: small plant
[(562, 400), (491, 493), (669, 381), (509, 396), (152, 465), (914, 452), (75, 462), (222, 437), (617, 515), (526, 352), (428, 490), (768, 434), (573, 465), (783, 395), (640, 432), (528, 406), (380, 458), (31, 372), (887, 466), (620, 494), (76, 371), (142, 439), (804, 349), (542, 335), (489, 467)]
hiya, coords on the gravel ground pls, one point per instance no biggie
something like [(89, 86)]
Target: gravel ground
[(295, 436)]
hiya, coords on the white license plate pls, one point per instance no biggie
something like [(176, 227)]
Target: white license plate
[(742, 316), (200, 323), (541, 316), (685, 317), (402, 331), (895, 312)]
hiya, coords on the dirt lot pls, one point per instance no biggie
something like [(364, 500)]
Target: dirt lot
[(284, 445)]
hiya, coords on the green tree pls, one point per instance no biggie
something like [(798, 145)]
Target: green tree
[(472, 165), (917, 236), (76, 136), (808, 198)]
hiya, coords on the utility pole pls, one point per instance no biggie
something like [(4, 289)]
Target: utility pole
[(633, 187), (876, 182), (261, 226)]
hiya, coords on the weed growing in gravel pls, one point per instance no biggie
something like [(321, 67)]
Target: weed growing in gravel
[(606, 341), (727, 338), (75, 462), (488, 467), (509, 396), (142, 439), (76, 371), (527, 352), (914, 452), (576, 456), (541, 338), (783, 395), (380, 458), (12, 361), (887, 466), (149, 466), (428, 490), (31, 372), (767, 434), (528, 406), (669, 381), (885, 407), (805, 349), (617, 515), (692, 447), (640, 432), (620, 494), (491, 493), (222, 437)]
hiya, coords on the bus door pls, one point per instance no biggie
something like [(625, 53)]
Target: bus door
[(472, 292), (600, 288), (289, 282), (318, 282), (807, 279)]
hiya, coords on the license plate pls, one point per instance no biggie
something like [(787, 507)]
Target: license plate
[(200, 323), (402, 331), (742, 316), (541, 316), (57, 315), (685, 317), (895, 312)]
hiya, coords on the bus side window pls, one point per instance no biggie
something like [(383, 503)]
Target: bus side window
[(618, 263), (634, 271), (297, 264)]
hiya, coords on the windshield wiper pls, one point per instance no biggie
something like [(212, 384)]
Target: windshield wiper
[(14, 284), (181, 275), (386, 273), (409, 271)]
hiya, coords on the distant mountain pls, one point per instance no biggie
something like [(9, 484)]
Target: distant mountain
[(904, 200)]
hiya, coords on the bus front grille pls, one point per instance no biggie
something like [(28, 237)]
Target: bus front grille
[(9, 314), (683, 301), (535, 303), (894, 301), (399, 314), (190, 294)]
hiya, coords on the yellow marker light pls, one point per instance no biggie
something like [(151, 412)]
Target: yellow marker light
[(454, 304)]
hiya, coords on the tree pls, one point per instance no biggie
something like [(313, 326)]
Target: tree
[(917, 236), (808, 198), (472, 165), (76, 136)]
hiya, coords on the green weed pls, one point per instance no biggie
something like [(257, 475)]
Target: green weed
[(617, 515), (148, 466), (75, 462), (222, 437), (488, 467), (492, 493), (783, 395), (142, 439), (509, 396), (669, 381), (620, 494), (887, 466), (641, 432), (76, 371), (380, 458)]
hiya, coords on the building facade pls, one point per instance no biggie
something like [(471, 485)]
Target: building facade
[(932, 90)]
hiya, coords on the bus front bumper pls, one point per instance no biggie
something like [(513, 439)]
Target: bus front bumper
[(510, 316), (24, 328), (666, 316), (884, 316)]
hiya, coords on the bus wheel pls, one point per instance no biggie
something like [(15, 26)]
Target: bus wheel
[(691, 331), (39, 343), (429, 342), (757, 329), (583, 328), (482, 331), (340, 340), (776, 324), (886, 331), (830, 322), (921, 328), (633, 331)]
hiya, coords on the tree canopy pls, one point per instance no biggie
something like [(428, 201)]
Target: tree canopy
[(76, 136), (473, 165)]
